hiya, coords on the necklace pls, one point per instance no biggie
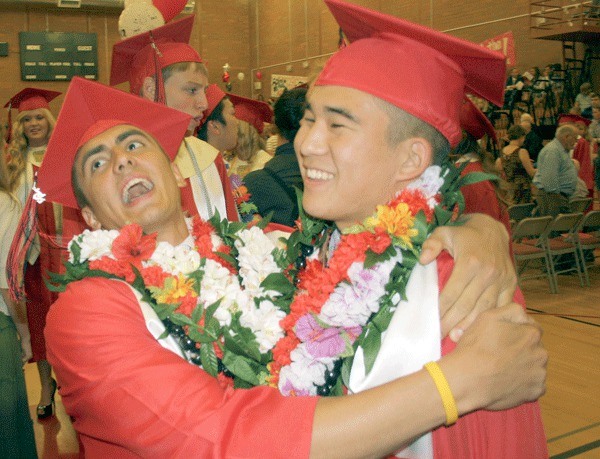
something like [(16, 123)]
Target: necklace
[(251, 313)]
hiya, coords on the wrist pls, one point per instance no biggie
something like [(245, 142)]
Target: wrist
[(467, 392), (23, 331), (445, 392)]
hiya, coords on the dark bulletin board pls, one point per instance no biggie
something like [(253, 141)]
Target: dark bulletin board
[(58, 56)]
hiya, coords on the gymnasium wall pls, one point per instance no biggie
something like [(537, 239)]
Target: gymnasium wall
[(285, 37)]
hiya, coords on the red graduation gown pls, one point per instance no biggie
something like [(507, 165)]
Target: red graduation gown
[(517, 433), (130, 397)]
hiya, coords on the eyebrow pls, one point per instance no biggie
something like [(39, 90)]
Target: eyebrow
[(120, 138), (336, 111)]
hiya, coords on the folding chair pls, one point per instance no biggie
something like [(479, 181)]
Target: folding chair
[(518, 212), (589, 238), (564, 239), (579, 204), (535, 231)]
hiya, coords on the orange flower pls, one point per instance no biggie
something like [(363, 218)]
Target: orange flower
[(132, 246), (396, 221), (415, 201), (154, 276), (118, 268), (283, 348), (175, 290)]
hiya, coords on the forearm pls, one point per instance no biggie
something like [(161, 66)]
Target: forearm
[(18, 313), (499, 363), (378, 422)]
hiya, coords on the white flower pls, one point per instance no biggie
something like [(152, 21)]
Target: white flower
[(255, 259), (95, 244), (264, 322), (429, 183), (218, 284), (305, 373), (176, 260)]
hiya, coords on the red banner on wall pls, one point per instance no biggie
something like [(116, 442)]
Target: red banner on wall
[(505, 43)]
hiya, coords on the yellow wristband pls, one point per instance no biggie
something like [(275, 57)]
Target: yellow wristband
[(444, 389)]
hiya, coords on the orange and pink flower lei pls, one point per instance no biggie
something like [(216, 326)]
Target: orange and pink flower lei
[(258, 319)]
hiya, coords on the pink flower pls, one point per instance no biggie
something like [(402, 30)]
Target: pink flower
[(320, 341)]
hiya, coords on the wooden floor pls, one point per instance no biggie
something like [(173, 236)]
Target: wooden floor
[(570, 408)]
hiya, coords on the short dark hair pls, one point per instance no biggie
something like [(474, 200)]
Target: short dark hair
[(215, 115), (404, 126), (288, 111)]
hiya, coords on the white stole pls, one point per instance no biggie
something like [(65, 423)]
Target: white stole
[(204, 177), (156, 327), (412, 339)]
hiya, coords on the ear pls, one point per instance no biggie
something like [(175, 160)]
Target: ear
[(414, 156), (90, 218), (178, 175), (148, 88), (213, 127)]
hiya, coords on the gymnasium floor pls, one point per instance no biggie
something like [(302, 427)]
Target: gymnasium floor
[(570, 408)]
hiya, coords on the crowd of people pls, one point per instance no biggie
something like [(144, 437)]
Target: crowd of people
[(526, 125), (441, 360)]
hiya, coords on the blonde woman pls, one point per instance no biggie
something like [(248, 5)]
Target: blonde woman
[(29, 137), (17, 438), (249, 154)]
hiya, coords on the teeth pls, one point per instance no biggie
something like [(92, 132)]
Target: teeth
[(142, 186), (316, 174)]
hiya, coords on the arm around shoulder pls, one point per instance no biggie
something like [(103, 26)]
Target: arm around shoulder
[(498, 363)]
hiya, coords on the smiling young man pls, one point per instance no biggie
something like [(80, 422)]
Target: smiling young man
[(128, 388), (365, 138), (161, 66)]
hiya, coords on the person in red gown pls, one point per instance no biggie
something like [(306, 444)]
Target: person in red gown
[(160, 65), (582, 150), (131, 394), (481, 196), (56, 225), (369, 132)]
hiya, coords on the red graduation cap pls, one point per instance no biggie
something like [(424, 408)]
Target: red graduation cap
[(475, 122), (214, 95), (255, 112), (28, 99), (91, 108), (572, 118), (31, 99), (252, 111), (420, 70), (146, 54)]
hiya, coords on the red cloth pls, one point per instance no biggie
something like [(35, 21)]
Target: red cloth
[(187, 196), (481, 197), (232, 213), (581, 152), (130, 397), (517, 433), (51, 259)]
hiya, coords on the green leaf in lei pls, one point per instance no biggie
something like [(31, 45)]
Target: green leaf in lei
[(244, 340), (373, 258), (209, 360), (280, 283), (242, 368)]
